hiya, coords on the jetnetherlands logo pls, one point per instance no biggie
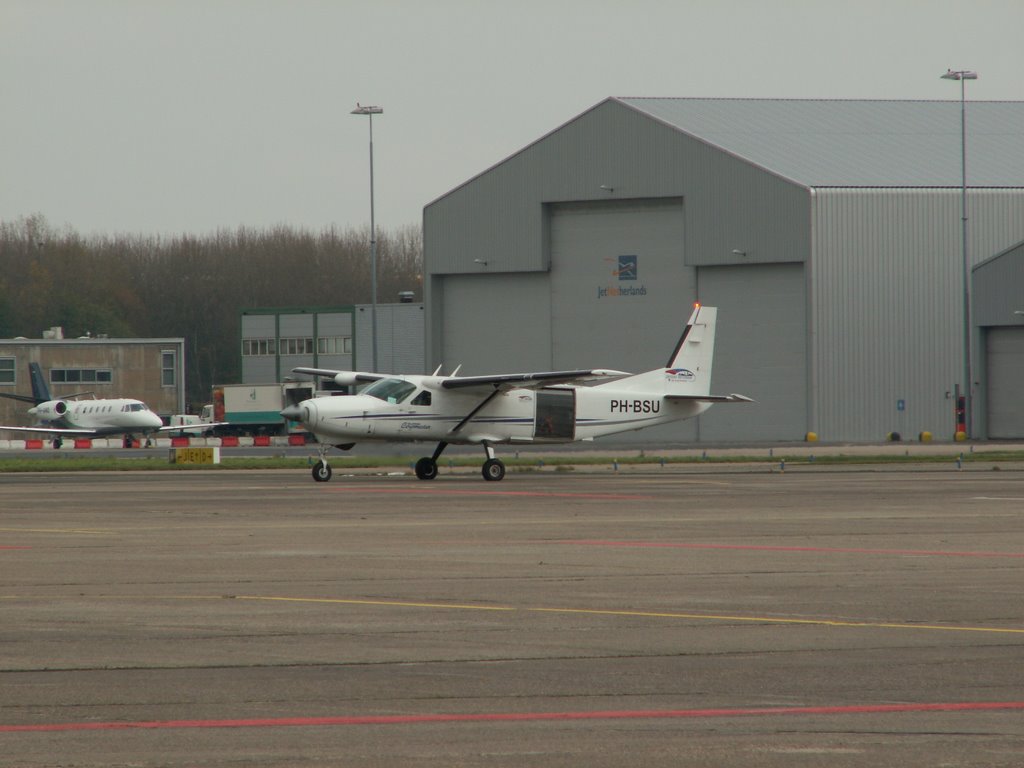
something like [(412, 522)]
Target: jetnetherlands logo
[(626, 271), (627, 268), (679, 374)]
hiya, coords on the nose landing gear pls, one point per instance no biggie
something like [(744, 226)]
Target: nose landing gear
[(322, 471)]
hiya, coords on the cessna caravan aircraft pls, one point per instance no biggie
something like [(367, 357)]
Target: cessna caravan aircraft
[(85, 418), (517, 408)]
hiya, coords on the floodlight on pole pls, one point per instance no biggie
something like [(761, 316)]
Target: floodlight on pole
[(370, 111), (963, 75)]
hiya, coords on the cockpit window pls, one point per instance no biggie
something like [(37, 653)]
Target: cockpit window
[(390, 390)]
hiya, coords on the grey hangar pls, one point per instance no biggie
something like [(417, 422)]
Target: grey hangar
[(827, 232)]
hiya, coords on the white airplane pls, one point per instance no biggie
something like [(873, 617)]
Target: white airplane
[(518, 408), (68, 416)]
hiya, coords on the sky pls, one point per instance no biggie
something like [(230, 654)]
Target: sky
[(164, 117)]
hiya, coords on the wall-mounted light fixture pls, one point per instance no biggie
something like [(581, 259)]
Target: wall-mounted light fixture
[(738, 252), (607, 189), (480, 261)]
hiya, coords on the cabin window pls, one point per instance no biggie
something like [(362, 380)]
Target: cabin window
[(423, 398), (390, 390)]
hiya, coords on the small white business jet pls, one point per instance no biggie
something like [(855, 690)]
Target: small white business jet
[(517, 408), (68, 416)]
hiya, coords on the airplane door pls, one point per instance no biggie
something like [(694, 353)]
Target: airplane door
[(555, 416)]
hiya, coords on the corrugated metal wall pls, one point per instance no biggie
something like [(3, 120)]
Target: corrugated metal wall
[(886, 304), (399, 338)]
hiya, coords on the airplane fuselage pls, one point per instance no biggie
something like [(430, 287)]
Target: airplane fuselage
[(549, 415), (112, 416)]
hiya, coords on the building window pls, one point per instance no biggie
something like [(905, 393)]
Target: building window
[(81, 376), (296, 346), (258, 347), (334, 345), (168, 369), (7, 370)]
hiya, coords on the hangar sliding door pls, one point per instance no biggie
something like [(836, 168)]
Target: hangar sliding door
[(1004, 356), (620, 291), (760, 351)]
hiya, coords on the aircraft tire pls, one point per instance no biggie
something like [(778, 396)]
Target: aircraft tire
[(494, 469), (321, 471), (426, 468)]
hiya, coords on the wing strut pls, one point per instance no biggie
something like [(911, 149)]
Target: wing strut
[(475, 411)]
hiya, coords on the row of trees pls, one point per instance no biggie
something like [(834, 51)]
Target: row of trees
[(189, 286)]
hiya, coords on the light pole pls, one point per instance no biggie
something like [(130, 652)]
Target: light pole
[(963, 76), (370, 112)]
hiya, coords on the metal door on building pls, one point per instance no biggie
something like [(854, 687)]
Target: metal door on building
[(1004, 371)]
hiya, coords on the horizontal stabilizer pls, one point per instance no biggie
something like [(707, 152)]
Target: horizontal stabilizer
[(22, 398), (733, 398)]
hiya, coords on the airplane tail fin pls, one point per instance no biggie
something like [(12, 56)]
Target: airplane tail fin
[(687, 374), (40, 391)]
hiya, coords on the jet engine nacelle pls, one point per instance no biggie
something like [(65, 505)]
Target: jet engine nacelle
[(50, 410)]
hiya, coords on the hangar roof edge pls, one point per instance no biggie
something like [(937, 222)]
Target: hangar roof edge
[(856, 143)]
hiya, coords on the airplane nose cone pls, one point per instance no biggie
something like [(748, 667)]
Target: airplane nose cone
[(292, 413)]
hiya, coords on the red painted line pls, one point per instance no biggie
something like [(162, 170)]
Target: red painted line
[(449, 492), (760, 548), (499, 717)]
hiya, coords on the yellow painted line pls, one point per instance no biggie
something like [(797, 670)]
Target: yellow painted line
[(577, 611), (58, 530), (650, 615), (779, 620), (395, 603)]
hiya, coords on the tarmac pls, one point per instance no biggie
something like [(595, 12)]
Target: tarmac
[(697, 614)]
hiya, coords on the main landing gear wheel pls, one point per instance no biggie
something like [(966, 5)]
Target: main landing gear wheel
[(426, 468), (321, 471), (494, 469)]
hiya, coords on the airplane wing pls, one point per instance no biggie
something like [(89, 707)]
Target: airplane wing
[(504, 381), (350, 377), (103, 432), (187, 427), (733, 398), (50, 430)]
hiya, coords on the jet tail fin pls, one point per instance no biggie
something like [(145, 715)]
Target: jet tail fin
[(40, 392)]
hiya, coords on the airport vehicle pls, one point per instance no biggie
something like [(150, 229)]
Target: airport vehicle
[(519, 408), (93, 417), (250, 409)]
